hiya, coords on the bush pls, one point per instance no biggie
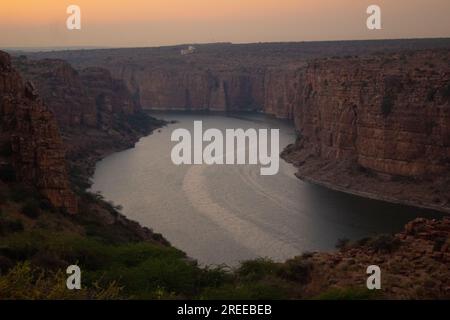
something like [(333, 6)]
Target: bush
[(384, 243), (31, 210), (27, 283), (253, 270), (298, 270)]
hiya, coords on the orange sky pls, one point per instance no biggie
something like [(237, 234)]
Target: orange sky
[(160, 22)]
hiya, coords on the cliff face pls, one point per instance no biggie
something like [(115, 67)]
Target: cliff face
[(389, 114), (194, 88), (62, 89), (414, 263), (30, 134), (89, 98), (374, 124), (364, 123), (271, 90), (224, 76), (96, 113)]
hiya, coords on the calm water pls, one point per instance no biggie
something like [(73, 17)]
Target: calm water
[(226, 214)]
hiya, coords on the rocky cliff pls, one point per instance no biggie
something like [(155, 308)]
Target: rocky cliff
[(378, 125), (96, 113), (371, 123), (31, 144), (414, 264), (225, 76)]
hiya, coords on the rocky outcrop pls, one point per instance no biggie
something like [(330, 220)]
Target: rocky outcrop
[(370, 124), (88, 98), (389, 114), (61, 88), (96, 113), (373, 124), (224, 76), (413, 264), (30, 134)]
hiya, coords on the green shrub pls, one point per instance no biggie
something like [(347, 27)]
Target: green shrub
[(298, 270), (24, 282), (253, 270)]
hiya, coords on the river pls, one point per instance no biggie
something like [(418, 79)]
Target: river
[(223, 214)]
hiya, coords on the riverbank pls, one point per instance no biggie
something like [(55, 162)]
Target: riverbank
[(122, 260), (348, 178)]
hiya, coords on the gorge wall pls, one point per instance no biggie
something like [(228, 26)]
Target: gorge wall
[(388, 113), (96, 112), (270, 90), (376, 123), (224, 76), (377, 126), (32, 148)]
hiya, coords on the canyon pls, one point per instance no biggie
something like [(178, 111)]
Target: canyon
[(95, 112), (54, 126), (371, 123), (372, 116)]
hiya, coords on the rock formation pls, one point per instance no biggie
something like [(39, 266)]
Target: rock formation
[(96, 113), (376, 124), (31, 140), (414, 264)]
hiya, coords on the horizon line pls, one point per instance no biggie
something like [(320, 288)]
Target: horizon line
[(101, 47)]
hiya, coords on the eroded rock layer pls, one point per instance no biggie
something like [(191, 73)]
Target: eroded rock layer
[(30, 139), (379, 124), (96, 112), (371, 123)]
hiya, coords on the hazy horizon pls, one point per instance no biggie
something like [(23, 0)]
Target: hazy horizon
[(140, 23)]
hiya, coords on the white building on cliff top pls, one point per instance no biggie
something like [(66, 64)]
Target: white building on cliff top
[(189, 50)]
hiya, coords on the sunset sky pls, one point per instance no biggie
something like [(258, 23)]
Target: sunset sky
[(120, 23)]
